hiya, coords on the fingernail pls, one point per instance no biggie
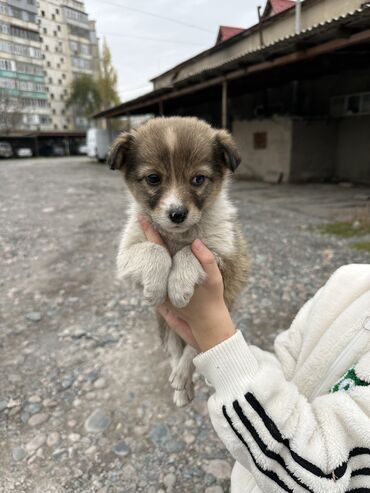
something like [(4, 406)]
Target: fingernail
[(197, 244)]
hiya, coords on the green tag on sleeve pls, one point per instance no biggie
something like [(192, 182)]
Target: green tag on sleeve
[(348, 382)]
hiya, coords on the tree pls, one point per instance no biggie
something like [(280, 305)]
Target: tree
[(11, 116), (85, 95), (108, 79)]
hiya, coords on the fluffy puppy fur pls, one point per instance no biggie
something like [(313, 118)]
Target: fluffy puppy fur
[(177, 170)]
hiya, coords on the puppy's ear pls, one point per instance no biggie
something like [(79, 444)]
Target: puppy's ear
[(121, 150), (226, 150)]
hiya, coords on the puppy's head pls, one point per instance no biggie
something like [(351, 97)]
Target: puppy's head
[(175, 167)]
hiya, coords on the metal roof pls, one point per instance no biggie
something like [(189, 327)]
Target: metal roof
[(227, 32), (274, 7), (294, 44)]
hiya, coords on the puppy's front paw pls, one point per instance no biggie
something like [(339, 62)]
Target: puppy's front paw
[(183, 397), (186, 273), (155, 292), (179, 291)]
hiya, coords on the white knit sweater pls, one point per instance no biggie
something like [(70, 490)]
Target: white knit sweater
[(298, 420)]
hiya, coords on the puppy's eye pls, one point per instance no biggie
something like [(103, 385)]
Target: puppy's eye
[(153, 179), (198, 180)]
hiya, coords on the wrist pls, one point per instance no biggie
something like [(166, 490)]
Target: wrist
[(214, 330)]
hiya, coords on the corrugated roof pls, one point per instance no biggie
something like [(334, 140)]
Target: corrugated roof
[(321, 32), (291, 37)]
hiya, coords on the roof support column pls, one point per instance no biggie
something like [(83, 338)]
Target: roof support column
[(161, 107), (224, 105)]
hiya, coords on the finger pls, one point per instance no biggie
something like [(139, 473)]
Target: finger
[(149, 231), (206, 259)]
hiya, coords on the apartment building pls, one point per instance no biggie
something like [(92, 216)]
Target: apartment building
[(70, 48), (23, 95), (43, 45)]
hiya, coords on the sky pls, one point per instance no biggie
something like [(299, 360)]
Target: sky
[(143, 45)]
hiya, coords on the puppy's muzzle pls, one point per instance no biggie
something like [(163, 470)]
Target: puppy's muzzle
[(178, 215)]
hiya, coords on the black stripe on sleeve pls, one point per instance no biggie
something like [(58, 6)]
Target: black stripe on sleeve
[(359, 490), (359, 451), (270, 474), (269, 453), (364, 471), (275, 433)]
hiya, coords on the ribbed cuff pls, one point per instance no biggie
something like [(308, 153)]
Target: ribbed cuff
[(229, 367)]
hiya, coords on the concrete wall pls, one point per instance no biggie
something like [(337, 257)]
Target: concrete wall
[(314, 144), (313, 13), (353, 149), (268, 163)]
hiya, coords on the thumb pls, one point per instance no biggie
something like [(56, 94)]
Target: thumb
[(149, 231), (206, 259)]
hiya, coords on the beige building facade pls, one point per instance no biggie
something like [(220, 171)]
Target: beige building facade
[(295, 95), (313, 13)]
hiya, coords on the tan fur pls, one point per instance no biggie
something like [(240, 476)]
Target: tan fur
[(177, 149)]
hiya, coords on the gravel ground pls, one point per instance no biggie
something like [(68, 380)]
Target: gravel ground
[(85, 406)]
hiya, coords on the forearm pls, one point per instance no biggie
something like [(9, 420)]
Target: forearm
[(214, 329)]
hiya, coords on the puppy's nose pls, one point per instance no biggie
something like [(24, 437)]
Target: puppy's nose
[(178, 215)]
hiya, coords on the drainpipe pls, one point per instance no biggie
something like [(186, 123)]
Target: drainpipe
[(224, 105), (298, 5), (260, 31)]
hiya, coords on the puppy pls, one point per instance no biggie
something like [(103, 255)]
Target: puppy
[(177, 170)]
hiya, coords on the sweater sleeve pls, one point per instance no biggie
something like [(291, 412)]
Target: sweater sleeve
[(269, 427)]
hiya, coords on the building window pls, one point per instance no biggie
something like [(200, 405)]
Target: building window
[(43, 13), (57, 11), (260, 140), (24, 33), (75, 15), (59, 28), (45, 30), (11, 11), (81, 63), (53, 17), (55, 33), (4, 28)]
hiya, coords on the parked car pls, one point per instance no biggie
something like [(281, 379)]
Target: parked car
[(6, 149), (24, 152), (58, 150)]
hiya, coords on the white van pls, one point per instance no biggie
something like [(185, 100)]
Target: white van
[(98, 143)]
